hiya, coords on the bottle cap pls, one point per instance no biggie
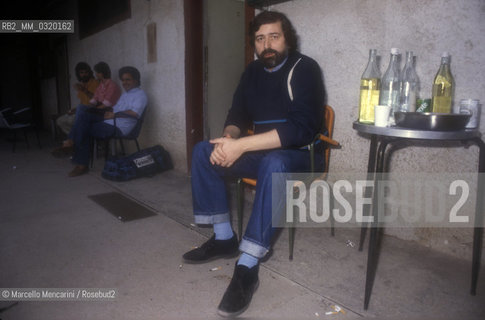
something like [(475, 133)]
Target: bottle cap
[(445, 54), (394, 51)]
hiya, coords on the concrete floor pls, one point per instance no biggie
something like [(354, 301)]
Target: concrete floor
[(53, 236)]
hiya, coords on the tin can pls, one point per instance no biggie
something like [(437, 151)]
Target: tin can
[(423, 105), (472, 107)]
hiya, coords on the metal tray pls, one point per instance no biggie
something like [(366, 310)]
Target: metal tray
[(431, 121)]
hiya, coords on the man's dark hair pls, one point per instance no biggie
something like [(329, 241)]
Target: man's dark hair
[(132, 71), (83, 66), (266, 17), (102, 67)]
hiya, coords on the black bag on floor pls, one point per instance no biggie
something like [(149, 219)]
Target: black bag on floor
[(144, 163)]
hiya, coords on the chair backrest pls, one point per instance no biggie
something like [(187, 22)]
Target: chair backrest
[(329, 122), (3, 121), (135, 132), (14, 119), (6, 118)]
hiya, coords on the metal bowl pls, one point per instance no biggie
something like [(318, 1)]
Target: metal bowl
[(431, 121)]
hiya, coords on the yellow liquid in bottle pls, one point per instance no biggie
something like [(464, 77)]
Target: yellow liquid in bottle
[(369, 98), (442, 92)]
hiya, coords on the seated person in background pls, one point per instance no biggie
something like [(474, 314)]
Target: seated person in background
[(108, 91), (106, 95), (89, 125), (86, 87)]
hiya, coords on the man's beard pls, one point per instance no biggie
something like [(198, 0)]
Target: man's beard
[(272, 61)]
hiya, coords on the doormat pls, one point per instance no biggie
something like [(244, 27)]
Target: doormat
[(123, 208)]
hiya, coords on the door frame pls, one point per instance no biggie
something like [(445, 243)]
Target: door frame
[(60, 47)]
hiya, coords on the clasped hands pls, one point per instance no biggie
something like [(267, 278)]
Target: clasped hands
[(226, 151)]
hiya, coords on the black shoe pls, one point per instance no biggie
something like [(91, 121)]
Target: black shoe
[(238, 295), (213, 249)]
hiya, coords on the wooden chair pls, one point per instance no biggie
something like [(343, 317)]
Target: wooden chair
[(329, 118)]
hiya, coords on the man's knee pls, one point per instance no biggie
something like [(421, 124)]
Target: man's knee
[(202, 151)]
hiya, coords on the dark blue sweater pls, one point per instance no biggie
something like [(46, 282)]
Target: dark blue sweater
[(262, 100)]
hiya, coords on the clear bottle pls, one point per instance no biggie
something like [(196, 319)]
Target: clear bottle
[(390, 84), (369, 89), (443, 86), (409, 85)]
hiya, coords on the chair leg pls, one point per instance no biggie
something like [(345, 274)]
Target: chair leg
[(332, 218), (37, 136), (112, 145), (240, 206), (106, 148), (291, 241), (26, 138), (14, 141), (122, 147), (94, 153)]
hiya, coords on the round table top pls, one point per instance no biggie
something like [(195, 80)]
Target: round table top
[(400, 132)]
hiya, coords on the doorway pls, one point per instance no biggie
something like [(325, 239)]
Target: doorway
[(208, 85), (224, 42)]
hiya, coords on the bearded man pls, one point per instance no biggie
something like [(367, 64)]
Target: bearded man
[(280, 96), (85, 87)]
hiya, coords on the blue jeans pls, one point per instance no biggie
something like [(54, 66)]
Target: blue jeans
[(87, 126), (209, 196), (79, 109)]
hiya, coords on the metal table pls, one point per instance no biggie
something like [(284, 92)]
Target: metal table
[(381, 137)]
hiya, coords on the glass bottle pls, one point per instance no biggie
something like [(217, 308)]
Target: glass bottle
[(369, 89), (409, 85), (390, 84), (443, 85)]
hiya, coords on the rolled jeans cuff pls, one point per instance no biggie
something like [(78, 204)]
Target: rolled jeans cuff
[(212, 219), (252, 248)]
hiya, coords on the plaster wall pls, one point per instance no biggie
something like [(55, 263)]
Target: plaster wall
[(339, 34), (125, 43)]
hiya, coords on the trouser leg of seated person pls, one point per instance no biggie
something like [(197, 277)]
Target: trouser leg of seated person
[(65, 122), (210, 198), (80, 109), (67, 145), (259, 231), (210, 203), (88, 126), (210, 206)]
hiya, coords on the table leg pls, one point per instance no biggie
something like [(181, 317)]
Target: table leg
[(478, 230), (373, 250), (371, 168)]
